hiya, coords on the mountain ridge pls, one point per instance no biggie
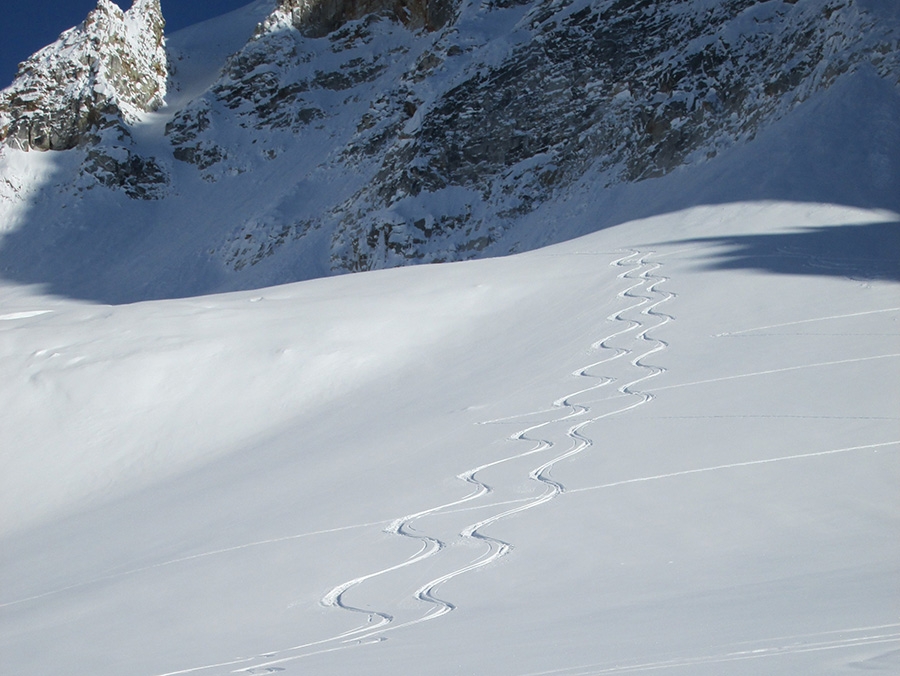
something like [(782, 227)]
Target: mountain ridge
[(375, 139)]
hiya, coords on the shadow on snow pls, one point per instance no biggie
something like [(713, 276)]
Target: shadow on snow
[(867, 252)]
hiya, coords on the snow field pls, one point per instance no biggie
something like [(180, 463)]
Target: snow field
[(614, 455)]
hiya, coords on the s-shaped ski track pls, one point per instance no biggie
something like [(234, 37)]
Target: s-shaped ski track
[(639, 275), (495, 548)]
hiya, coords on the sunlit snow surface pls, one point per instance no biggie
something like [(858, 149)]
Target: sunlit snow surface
[(669, 446)]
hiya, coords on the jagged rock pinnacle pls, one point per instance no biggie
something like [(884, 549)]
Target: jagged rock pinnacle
[(106, 71)]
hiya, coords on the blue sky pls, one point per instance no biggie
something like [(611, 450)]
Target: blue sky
[(28, 26)]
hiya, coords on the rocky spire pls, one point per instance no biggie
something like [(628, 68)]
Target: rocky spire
[(108, 70)]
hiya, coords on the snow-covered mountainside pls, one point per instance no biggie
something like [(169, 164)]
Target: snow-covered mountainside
[(659, 436), (300, 139), (105, 72)]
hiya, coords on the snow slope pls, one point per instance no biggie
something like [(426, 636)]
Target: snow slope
[(669, 446)]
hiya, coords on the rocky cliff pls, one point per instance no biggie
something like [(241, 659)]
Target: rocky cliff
[(317, 18), (107, 71), (88, 88), (633, 88)]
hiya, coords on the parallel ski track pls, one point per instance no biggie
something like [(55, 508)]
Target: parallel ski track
[(552, 488), (641, 274), (542, 473)]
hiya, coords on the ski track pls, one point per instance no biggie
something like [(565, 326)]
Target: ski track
[(262, 543), (639, 275), (641, 294), (805, 321), (800, 367), (786, 645), (495, 548)]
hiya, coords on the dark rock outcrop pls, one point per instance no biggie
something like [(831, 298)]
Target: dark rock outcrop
[(317, 18)]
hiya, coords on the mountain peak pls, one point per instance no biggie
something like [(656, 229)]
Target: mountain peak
[(108, 70)]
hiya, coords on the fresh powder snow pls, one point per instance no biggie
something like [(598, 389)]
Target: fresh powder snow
[(670, 445)]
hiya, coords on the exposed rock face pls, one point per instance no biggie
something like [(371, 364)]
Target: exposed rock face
[(359, 134), (118, 167), (631, 89), (98, 75), (317, 18)]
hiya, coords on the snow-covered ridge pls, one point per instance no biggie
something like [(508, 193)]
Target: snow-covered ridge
[(106, 71)]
